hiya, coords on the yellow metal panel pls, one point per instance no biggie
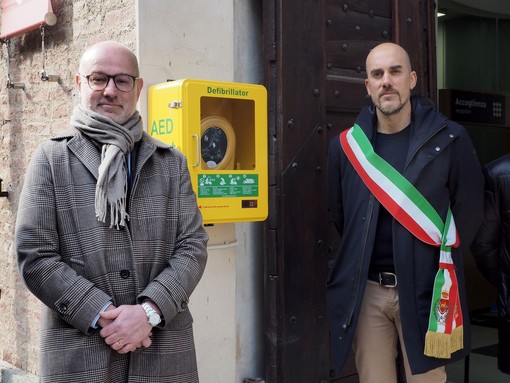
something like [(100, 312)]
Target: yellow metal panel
[(221, 127)]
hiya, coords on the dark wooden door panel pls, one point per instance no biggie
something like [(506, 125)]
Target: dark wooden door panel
[(370, 7), (306, 335), (338, 122), (315, 54), (344, 95), (361, 23), (347, 57)]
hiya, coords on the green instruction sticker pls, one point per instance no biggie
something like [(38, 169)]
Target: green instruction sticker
[(228, 185)]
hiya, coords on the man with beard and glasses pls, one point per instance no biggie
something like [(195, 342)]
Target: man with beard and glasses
[(406, 196), (110, 238)]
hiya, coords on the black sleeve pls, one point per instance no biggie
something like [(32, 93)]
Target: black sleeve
[(488, 241), (335, 203)]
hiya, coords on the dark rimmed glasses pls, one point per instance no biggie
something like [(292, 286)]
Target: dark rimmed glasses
[(99, 81)]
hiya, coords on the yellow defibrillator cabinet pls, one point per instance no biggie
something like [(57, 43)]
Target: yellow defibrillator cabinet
[(221, 127)]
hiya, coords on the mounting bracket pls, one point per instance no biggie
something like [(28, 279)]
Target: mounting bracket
[(3, 193)]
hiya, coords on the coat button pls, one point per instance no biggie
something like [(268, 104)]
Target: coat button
[(62, 308), (124, 274), (184, 305)]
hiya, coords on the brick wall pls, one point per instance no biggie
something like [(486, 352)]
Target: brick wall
[(30, 116)]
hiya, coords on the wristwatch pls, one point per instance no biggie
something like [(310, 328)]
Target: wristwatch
[(153, 318)]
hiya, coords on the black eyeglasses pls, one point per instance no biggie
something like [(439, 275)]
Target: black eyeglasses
[(99, 81)]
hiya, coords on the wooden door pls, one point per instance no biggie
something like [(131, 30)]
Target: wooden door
[(315, 54)]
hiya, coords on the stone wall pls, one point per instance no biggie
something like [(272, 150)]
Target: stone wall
[(27, 117)]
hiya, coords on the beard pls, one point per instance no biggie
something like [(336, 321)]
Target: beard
[(391, 110)]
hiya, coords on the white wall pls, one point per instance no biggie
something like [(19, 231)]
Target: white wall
[(214, 40)]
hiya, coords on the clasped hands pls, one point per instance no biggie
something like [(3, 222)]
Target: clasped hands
[(125, 328)]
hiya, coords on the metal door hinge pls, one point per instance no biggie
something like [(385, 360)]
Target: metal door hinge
[(175, 104)]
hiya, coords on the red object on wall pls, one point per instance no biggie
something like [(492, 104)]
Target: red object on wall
[(20, 16)]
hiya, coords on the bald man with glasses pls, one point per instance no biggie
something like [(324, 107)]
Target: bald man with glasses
[(110, 238)]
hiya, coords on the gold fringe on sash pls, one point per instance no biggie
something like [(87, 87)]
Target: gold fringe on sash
[(457, 342), (441, 345), (437, 345)]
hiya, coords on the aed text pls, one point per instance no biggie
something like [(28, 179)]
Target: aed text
[(162, 127)]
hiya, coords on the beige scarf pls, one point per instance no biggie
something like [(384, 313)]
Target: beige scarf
[(115, 141)]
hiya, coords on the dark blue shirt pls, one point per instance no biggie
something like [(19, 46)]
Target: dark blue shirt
[(393, 149)]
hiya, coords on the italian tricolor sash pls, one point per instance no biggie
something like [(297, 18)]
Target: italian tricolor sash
[(408, 206)]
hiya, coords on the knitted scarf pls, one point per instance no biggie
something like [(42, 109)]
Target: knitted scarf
[(115, 141)]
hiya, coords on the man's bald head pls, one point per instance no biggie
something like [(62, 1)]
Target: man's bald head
[(108, 48), (392, 49)]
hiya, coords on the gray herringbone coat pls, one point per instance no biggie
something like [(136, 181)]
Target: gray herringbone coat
[(75, 264)]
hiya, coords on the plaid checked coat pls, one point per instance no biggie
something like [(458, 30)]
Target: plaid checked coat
[(75, 264)]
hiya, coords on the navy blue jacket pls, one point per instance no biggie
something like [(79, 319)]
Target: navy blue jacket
[(442, 164)]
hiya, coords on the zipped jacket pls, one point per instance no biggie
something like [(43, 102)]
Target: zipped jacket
[(442, 164)]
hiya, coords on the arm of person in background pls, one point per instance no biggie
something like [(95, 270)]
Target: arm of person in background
[(487, 243)]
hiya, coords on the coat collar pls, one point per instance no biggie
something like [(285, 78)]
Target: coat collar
[(90, 154)]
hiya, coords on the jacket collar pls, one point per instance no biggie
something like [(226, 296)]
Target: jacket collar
[(425, 120)]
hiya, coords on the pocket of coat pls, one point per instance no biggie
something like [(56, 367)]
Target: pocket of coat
[(90, 265)]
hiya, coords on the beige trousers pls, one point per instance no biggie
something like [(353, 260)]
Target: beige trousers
[(376, 340)]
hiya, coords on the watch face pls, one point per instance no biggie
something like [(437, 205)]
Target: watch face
[(154, 319)]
